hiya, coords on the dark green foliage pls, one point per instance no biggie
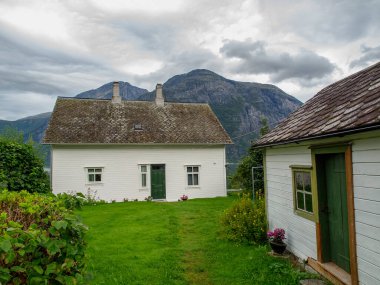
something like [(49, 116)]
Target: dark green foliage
[(242, 179), (245, 220), (41, 242), (21, 168)]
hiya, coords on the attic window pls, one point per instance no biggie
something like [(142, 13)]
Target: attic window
[(137, 127)]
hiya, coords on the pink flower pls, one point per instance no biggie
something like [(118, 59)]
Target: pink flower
[(278, 235)]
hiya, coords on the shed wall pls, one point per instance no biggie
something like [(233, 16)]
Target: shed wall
[(300, 232), (366, 171)]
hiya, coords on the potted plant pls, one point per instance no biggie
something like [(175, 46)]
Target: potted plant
[(276, 240), (184, 197)]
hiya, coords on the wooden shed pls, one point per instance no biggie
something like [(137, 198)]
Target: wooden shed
[(322, 179)]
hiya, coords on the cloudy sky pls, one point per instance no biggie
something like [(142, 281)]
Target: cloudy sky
[(61, 48)]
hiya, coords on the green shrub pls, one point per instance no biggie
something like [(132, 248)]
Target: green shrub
[(21, 168), (72, 201), (246, 221), (41, 242)]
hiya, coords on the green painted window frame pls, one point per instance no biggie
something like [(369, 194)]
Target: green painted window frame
[(303, 212)]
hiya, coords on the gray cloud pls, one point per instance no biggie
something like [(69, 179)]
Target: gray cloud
[(89, 43), (369, 55), (256, 59), (29, 67), (323, 21), (181, 63)]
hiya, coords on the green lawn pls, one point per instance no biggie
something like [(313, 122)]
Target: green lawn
[(174, 243)]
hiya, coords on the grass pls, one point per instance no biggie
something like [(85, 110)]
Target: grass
[(174, 243)]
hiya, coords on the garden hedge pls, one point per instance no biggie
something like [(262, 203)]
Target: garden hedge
[(41, 242)]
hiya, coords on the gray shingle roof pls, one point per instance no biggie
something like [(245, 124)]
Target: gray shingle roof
[(351, 104), (88, 121)]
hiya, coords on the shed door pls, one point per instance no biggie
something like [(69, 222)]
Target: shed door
[(333, 210), (157, 178)]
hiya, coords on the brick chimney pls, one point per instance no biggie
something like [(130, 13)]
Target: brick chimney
[(160, 100), (116, 93)]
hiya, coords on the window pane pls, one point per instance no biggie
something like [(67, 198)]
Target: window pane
[(309, 202), (300, 201), (299, 183), (143, 168), (91, 177), (143, 180), (195, 169), (189, 169), (98, 177), (307, 181), (189, 179), (98, 170), (195, 176), (90, 170)]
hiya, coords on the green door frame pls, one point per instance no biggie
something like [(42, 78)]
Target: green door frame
[(346, 149)]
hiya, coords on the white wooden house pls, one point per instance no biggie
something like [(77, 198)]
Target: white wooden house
[(322, 178), (136, 149)]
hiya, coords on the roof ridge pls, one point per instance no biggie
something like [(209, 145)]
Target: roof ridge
[(349, 104), (348, 77)]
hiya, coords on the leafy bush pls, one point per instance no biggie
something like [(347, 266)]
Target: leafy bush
[(245, 220), (41, 242), (72, 201), (21, 168)]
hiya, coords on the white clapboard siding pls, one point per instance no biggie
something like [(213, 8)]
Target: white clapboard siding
[(370, 206), (368, 230), (366, 178), (365, 279), (121, 175), (281, 171), (372, 168), (369, 156), (300, 232), (367, 193), (370, 269)]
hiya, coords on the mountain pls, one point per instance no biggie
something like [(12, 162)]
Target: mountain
[(34, 126), (238, 105), (127, 91)]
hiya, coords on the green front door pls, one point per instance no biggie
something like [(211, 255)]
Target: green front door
[(157, 178), (333, 209)]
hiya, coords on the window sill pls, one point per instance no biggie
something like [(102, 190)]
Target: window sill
[(305, 215), (94, 184), (193, 187), (144, 189)]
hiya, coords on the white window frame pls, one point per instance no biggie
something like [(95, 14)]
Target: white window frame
[(193, 174), (142, 174), (94, 171)]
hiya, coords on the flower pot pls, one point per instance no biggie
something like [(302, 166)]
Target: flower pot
[(278, 247)]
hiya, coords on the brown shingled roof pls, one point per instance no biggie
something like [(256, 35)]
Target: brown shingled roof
[(351, 104), (88, 121)]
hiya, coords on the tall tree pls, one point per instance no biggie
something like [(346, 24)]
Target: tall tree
[(243, 175)]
